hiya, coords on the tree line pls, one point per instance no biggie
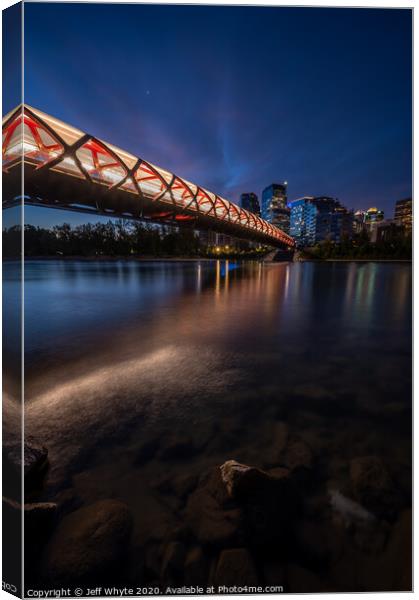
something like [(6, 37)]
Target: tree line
[(119, 238), (397, 245)]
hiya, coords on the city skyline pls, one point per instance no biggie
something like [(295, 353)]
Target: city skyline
[(329, 123)]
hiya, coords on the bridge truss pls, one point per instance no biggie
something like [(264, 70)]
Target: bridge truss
[(68, 169)]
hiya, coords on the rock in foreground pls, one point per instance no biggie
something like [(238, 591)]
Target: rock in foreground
[(211, 514), (88, 543), (235, 568), (373, 487)]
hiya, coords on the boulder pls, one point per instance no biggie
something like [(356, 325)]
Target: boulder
[(273, 572), (373, 487), (34, 461), (213, 517), (39, 517), (399, 553), (173, 562), (268, 502), (88, 543), (237, 502), (235, 567), (319, 542), (39, 520), (241, 480), (196, 567), (184, 484), (298, 455), (67, 501), (300, 580)]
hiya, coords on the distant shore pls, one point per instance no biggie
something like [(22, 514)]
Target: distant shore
[(136, 258), (201, 259), (390, 260)]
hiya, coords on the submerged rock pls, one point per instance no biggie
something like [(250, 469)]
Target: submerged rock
[(373, 487), (67, 501), (211, 514), (300, 580), (196, 567), (88, 543), (298, 455), (273, 572), (399, 553), (39, 519), (268, 503), (33, 459), (173, 561), (241, 480), (235, 567)]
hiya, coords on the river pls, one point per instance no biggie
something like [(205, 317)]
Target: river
[(136, 369)]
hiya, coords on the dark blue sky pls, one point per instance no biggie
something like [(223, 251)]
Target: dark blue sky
[(234, 98)]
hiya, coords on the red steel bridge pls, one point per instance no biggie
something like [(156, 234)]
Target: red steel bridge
[(68, 169)]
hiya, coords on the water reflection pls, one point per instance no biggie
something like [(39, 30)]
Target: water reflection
[(121, 353)]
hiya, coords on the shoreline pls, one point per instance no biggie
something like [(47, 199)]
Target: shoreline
[(201, 259), (328, 260)]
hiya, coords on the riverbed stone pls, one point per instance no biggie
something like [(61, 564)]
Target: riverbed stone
[(302, 580), (241, 480), (213, 517), (88, 543), (39, 516), (268, 503), (319, 542), (184, 484), (373, 487), (35, 462), (399, 553), (196, 567), (39, 519), (235, 567), (273, 572), (173, 561), (298, 455), (67, 501)]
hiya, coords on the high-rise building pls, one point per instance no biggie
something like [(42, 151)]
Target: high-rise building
[(359, 221), (249, 201), (403, 214), (275, 209), (303, 213), (372, 218), (316, 219), (373, 215)]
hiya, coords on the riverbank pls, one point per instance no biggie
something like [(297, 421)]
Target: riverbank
[(356, 260), (137, 258), (182, 259)]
